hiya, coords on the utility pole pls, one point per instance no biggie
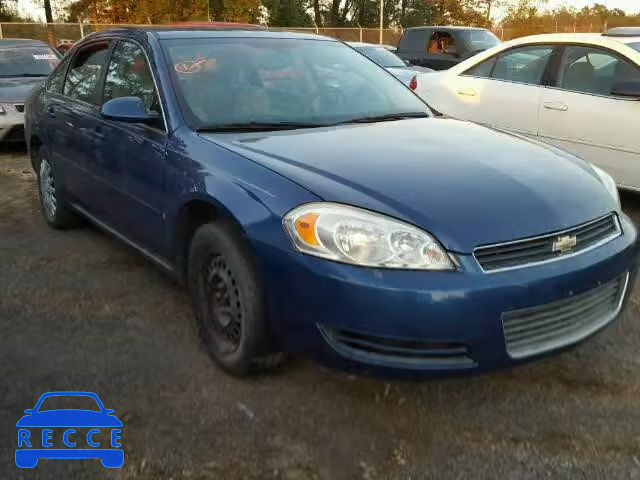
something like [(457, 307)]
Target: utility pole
[(51, 34), (381, 19)]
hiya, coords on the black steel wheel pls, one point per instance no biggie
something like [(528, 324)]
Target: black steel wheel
[(228, 300)]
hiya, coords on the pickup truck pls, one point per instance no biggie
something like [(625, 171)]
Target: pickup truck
[(440, 48)]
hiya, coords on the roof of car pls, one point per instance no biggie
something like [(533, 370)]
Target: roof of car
[(363, 44), (623, 32), (191, 31), (591, 38), (20, 42), (444, 27)]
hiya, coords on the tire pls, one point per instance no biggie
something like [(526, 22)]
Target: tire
[(52, 204), (228, 300)]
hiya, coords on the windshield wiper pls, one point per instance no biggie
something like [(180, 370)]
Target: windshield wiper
[(257, 126), (386, 118)]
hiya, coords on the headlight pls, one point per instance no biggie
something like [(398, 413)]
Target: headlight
[(608, 182), (360, 237)]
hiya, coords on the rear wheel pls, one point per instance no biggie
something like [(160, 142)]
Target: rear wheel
[(228, 300), (52, 204)]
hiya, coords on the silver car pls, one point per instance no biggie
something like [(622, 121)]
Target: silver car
[(383, 56), (24, 64)]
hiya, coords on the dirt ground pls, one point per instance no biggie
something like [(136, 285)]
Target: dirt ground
[(80, 311)]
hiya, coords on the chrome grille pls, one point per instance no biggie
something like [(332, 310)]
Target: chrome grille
[(532, 251), (538, 329)]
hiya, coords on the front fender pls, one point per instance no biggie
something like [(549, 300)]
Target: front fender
[(251, 195)]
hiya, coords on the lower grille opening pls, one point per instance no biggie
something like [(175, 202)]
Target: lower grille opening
[(535, 330), (398, 350)]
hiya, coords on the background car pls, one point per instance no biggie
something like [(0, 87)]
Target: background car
[(24, 64), (314, 205), (440, 48), (402, 69), (579, 92), (64, 46)]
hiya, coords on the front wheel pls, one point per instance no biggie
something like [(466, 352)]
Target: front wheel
[(54, 208), (228, 300)]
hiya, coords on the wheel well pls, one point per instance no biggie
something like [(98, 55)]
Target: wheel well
[(34, 145), (192, 215)]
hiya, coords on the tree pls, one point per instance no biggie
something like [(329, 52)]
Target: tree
[(288, 13)]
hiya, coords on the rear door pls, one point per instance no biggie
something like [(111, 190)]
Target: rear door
[(76, 114), (580, 114), (503, 91), (136, 151)]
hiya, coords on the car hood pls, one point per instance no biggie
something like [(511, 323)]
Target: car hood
[(17, 89), (466, 184), (405, 74), (69, 418)]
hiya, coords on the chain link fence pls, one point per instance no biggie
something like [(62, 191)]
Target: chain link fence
[(56, 33)]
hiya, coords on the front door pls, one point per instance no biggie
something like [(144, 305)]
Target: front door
[(134, 152), (582, 115)]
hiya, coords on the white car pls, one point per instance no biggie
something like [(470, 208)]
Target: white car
[(580, 92)]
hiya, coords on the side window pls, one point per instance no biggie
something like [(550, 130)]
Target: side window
[(85, 73), (56, 79), (594, 71), (414, 40), (482, 70), (441, 43), (129, 76), (523, 65)]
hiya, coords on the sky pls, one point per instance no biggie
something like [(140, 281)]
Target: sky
[(34, 9)]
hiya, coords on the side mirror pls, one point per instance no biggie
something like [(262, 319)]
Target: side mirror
[(127, 109), (29, 411), (109, 411), (626, 89), (407, 63)]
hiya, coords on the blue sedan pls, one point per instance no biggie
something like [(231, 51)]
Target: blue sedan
[(313, 205)]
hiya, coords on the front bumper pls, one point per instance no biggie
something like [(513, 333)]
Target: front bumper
[(12, 124), (322, 309)]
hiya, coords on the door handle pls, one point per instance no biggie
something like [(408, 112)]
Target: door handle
[(563, 107), (98, 134), (467, 92)]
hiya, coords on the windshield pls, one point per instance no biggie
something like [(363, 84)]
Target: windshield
[(69, 402), (479, 39), (635, 46), (27, 61), (382, 57), (231, 81)]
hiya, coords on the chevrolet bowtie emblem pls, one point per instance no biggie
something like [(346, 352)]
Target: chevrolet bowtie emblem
[(564, 244)]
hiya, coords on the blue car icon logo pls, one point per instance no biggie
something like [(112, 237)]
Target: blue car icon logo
[(82, 434)]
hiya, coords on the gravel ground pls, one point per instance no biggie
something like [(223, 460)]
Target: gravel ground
[(80, 311)]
